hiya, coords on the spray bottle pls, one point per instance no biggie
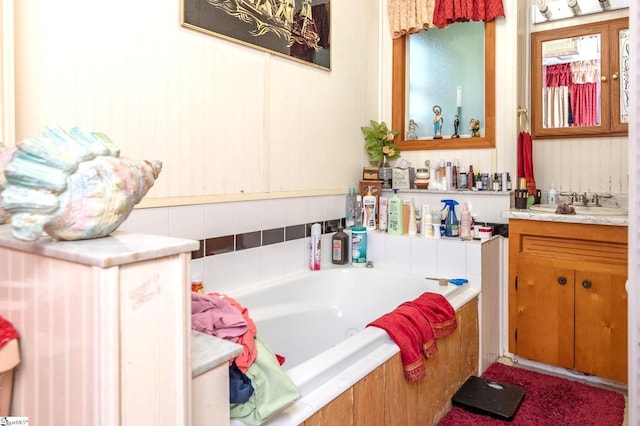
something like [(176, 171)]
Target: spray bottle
[(451, 222)]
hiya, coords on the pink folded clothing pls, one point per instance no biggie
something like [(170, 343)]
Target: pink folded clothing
[(437, 309), (214, 316), (404, 334), (247, 340)]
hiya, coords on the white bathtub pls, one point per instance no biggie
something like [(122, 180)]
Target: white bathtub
[(317, 320)]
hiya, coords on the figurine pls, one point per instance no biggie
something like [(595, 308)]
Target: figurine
[(474, 127), (437, 122), (412, 135), (456, 124)]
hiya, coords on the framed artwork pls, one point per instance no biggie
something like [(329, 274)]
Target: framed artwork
[(295, 29)]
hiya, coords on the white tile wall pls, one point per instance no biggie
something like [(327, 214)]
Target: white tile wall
[(230, 271)]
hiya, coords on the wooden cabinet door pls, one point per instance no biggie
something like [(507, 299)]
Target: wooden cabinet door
[(545, 311), (601, 322)]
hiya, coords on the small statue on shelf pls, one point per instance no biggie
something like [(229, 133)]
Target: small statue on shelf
[(412, 135), (437, 122), (474, 127), (456, 124)]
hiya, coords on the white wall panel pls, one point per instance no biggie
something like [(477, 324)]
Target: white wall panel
[(224, 118)]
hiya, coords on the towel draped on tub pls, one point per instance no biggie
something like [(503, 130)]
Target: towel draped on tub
[(414, 326)]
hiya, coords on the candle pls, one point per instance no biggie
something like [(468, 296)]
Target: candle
[(459, 97)]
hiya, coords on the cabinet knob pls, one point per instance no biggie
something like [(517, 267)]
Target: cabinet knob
[(603, 78), (586, 284), (562, 280), (614, 76)]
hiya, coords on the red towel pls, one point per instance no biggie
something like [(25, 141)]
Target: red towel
[(525, 161), (405, 335), (438, 311), (422, 325), (414, 326)]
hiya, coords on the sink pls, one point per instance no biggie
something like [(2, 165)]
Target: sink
[(584, 210)]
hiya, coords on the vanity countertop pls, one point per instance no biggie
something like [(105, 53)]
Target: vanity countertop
[(565, 218), (208, 352)]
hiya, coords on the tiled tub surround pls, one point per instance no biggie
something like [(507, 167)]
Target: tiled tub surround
[(247, 242)]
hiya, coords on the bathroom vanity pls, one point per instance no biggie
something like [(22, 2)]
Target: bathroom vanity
[(567, 297)]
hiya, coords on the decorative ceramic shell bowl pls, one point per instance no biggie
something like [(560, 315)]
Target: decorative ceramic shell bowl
[(73, 186)]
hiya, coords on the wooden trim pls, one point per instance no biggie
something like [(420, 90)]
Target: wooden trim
[(399, 99)]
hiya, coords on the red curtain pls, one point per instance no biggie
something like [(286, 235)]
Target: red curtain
[(558, 75), (449, 11)]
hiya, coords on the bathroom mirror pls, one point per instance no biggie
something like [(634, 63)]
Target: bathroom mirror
[(580, 80), (451, 71)]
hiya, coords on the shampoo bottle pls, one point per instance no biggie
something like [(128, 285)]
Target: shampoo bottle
[(340, 247), (451, 222), (314, 249), (369, 209), (395, 207)]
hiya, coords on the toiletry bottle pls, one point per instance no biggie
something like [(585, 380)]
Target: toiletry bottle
[(448, 175), (552, 196), (359, 246), (340, 247), (470, 178), (369, 209), (465, 222), (451, 222), (436, 221), (314, 249), (395, 208), (405, 217), (413, 225), (359, 212), (382, 214), (454, 174), (426, 223), (350, 220)]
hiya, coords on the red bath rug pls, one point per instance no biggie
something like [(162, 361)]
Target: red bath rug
[(548, 401)]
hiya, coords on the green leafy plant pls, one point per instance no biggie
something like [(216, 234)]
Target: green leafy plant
[(379, 141)]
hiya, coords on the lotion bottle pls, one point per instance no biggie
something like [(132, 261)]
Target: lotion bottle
[(413, 224), (465, 222), (369, 209), (382, 214)]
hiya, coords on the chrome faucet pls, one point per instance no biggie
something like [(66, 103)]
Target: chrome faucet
[(584, 199)]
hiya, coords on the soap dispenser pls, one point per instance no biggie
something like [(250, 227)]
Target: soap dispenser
[(552, 195)]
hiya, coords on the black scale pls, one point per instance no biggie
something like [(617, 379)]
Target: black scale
[(482, 396)]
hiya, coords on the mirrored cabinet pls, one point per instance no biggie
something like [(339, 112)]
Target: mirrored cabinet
[(580, 80)]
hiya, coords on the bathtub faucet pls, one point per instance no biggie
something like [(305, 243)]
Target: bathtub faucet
[(369, 264)]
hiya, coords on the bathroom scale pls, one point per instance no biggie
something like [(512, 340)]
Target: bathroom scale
[(483, 396)]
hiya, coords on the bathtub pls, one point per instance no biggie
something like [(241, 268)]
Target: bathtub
[(317, 320)]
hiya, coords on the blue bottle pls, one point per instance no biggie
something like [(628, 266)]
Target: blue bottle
[(451, 226)]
